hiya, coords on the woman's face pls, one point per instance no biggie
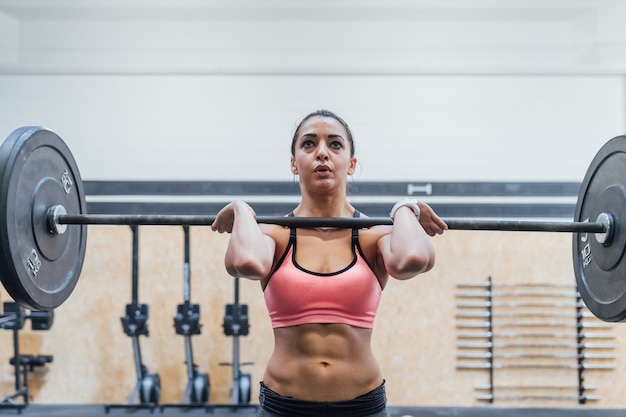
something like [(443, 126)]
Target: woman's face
[(322, 152)]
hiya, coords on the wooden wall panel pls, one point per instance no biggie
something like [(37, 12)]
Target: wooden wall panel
[(414, 338)]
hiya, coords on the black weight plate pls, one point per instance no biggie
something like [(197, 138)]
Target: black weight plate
[(39, 269), (150, 391), (601, 269), (612, 200), (245, 385), (200, 389)]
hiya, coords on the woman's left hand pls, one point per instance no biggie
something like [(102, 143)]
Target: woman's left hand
[(431, 223)]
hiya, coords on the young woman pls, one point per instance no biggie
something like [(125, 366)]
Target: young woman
[(322, 286)]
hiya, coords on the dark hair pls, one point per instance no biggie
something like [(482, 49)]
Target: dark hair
[(322, 113)]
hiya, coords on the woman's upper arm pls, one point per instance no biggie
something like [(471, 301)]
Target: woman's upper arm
[(406, 258), (252, 262)]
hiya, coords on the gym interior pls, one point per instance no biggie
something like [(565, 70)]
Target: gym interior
[(482, 109)]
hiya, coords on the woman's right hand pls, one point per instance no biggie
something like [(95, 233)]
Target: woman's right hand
[(225, 218)]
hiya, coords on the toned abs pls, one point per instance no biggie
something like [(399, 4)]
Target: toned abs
[(322, 362)]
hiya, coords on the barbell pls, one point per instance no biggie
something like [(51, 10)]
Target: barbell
[(44, 224)]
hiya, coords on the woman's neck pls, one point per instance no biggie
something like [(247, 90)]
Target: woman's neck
[(324, 207)]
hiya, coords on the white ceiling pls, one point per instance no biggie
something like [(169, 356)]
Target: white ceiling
[(301, 10), (234, 36)]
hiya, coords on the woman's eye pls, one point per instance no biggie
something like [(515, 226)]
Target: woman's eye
[(308, 143), (336, 145)]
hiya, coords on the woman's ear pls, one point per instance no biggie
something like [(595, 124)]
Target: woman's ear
[(294, 169), (352, 167)]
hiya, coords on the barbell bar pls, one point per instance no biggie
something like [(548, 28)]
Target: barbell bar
[(496, 315), (509, 285), (538, 335), (516, 294), (535, 387), (522, 304), (489, 355), (556, 397), (488, 365), (43, 209), (56, 218), (542, 324), (564, 345)]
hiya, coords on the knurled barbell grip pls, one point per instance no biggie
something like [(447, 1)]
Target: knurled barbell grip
[(305, 222)]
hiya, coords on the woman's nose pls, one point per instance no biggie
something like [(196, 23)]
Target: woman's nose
[(322, 151)]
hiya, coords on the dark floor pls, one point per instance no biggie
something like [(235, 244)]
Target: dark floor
[(56, 410)]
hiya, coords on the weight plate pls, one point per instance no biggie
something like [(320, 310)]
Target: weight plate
[(39, 269), (600, 269), (150, 391), (245, 385), (200, 389)]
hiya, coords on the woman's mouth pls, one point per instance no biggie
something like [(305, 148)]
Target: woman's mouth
[(322, 170)]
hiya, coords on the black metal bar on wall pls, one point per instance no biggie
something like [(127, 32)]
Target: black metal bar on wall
[(451, 200), (374, 188)]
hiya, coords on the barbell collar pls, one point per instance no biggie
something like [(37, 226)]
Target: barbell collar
[(58, 217), (53, 213), (606, 237)]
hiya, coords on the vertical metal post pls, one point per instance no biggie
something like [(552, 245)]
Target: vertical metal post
[(18, 359), (236, 329), (582, 399), (186, 299), (139, 369), (236, 291), (490, 338), (186, 269), (135, 270)]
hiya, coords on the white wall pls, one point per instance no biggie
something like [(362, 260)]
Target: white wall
[(239, 127), (434, 90)]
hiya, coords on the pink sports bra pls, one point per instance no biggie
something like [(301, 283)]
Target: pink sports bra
[(294, 295)]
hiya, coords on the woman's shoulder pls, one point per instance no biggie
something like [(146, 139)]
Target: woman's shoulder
[(368, 242), (275, 231), (371, 235)]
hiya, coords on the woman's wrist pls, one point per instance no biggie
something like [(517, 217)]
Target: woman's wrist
[(406, 202), (242, 207)]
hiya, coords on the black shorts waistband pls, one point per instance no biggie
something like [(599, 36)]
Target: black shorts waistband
[(373, 402)]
